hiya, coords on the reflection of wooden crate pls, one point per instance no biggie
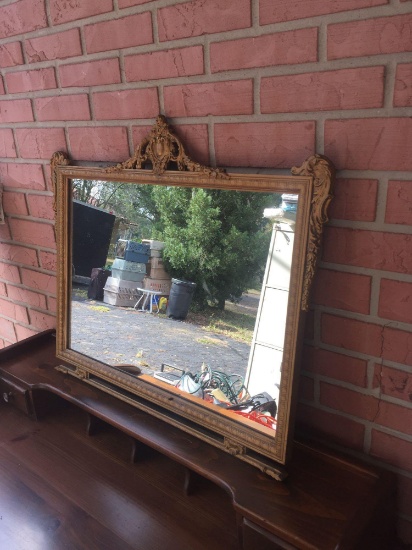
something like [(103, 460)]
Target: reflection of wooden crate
[(159, 273), (156, 263), (119, 299), (158, 285), (154, 245)]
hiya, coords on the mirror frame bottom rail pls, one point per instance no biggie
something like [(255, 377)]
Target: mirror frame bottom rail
[(213, 437)]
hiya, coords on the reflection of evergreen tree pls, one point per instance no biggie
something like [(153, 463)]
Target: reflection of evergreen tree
[(217, 239)]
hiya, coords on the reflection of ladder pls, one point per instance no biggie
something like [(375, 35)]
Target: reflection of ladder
[(266, 352)]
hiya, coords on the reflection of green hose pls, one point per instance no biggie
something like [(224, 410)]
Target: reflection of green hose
[(231, 385)]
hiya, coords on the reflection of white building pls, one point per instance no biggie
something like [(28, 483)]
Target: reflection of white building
[(266, 353)]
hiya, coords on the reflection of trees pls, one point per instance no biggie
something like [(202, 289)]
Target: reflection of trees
[(215, 238)]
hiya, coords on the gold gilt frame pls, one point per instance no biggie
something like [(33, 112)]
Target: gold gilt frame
[(245, 439)]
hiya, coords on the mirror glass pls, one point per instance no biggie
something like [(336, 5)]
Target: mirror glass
[(188, 286)]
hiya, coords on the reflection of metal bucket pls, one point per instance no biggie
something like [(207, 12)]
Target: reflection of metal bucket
[(181, 294)]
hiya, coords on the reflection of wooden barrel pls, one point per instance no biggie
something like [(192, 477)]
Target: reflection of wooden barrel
[(97, 282)]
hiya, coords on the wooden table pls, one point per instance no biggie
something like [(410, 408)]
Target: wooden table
[(327, 502)]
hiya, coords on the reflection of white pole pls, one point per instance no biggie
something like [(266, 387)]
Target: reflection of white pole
[(2, 220)]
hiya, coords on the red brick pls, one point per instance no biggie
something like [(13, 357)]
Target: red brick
[(39, 281), (199, 17), (64, 107), (354, 200), (11, 54), (18, 294), (14, 203), (13, 311), (264, 144), (34, 233), (3, 291), (126, 104), (351, 402), (383, 35), (18, 254), (403, 85), (331, 426), (360, 88), (41, 206), (195, 140), (40, 142), (51, 304), (48, 260), (283, 48), (394, 382), (92, 73), (28, 176), (9, 273), (24, 332), (129, 3), (397, 346), (395, 300), (16, 110), (164, 64), (309, 333), (21, 17), (335, 365), (99, 143), (352, 334), (342, 290), (54, 46), (7, 147), (119, 33), (5, 232), (369, 144), (7, 330), (371, 249), (62, 11), (216, 98), (29, 81), (42, 321), (2, 90), (395, 417), (306, 388), (285, 10), (399, 202), (392, 450)]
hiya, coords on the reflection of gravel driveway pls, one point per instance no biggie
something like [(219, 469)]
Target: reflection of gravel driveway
[(123, 335)]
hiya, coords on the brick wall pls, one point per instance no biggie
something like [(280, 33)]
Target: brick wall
[(250, 83)]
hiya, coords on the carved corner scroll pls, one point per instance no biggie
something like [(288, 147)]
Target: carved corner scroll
[(58, 159), (323, 173), (161, 148)]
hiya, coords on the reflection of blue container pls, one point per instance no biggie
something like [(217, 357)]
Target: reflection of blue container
[(132, 256), (289, 202), (137, 247)]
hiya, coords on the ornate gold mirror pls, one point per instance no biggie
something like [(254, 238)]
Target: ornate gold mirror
[(206, 281)]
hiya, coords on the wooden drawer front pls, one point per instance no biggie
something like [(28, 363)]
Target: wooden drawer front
[(13, 395), (254, 537)]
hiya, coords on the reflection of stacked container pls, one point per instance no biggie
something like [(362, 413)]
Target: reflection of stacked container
[(157, 278), (128, 272)]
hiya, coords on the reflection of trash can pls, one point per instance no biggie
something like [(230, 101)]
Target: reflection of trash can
[(98, 279), (181, 294)]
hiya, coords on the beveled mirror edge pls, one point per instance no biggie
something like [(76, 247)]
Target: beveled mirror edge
[(312, 181)]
